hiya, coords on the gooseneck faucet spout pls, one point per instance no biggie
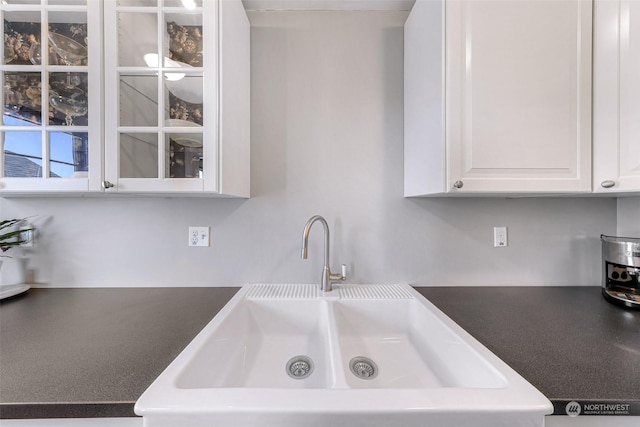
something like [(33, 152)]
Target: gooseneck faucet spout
[(327, 278), (305, 237)]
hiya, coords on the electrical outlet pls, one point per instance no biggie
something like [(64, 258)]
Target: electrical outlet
[(199, 236), (500, 237)]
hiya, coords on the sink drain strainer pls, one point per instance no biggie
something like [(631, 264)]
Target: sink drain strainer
[(363, 367), (299, 367)]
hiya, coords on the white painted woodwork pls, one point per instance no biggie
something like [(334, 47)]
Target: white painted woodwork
[(616, 97), (284, 5), (235, 100), (424, 80), (225, 93), (512, 114)]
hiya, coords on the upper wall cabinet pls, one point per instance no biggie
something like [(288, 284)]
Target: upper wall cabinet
[(616, 97), (163, 107), (177, 83), (50, 135), (498, 97)]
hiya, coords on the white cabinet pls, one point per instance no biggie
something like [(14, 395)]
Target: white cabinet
[(616, 97), (50, 135), (162, 106), (177, 97), (498, 97)]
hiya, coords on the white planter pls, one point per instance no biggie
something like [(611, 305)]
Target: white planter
[(13, 273)]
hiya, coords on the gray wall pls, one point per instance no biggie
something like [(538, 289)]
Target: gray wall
[(629, 217), (326, 139)]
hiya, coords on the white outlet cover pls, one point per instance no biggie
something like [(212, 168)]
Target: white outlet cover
[(199, 236), (500, 237)]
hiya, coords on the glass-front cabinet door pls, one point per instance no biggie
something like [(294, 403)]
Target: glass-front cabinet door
[(145, 96), (177, 97), (161, 91), (50, 135)]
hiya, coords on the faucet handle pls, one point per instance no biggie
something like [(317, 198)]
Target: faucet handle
[(339, 277)]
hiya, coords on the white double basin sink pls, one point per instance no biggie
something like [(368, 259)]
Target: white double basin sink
[(361, 355)]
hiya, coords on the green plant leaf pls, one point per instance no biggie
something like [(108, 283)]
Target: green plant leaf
[(12, 238)]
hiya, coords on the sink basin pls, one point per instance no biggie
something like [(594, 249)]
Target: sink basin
[(249, 347), (410, 347), (361, 355)]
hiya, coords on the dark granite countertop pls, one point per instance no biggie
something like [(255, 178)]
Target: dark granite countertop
[(569, 342), (92, 352)]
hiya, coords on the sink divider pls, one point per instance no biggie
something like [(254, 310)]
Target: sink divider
[(339, 379)]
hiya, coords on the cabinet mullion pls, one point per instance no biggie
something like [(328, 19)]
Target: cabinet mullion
[(161, 100)]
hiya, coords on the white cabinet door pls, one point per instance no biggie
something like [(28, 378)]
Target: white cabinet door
[(616, 109), (514, 116), (177, 97), (50, 135)]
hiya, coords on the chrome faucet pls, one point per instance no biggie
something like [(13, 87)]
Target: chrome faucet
[(327, 278)]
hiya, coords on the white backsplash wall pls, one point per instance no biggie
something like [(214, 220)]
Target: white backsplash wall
[(326, 139), (629, 217)]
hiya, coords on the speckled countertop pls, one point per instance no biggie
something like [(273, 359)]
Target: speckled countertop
[(568, 342), (92, 352)]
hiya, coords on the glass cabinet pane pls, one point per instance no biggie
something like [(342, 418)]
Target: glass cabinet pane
[(23, 154), (138, 100), (69, 154), (68, 38), (22, 99), (184, 36), (21, 38), (138, 3), (68, 2), (187, 4), (185, 155), (183, 99), (137, 39), (68, 99), (139, 155), (49, 2)]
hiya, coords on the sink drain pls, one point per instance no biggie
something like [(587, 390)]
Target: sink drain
[(299, 367), (363, 367)]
